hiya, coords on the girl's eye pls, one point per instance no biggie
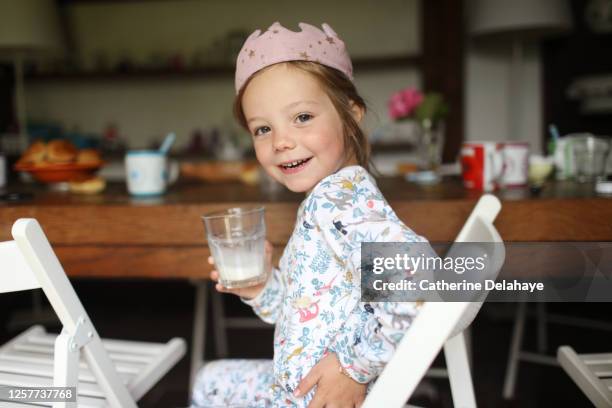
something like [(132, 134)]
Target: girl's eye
[(261, 130), (303, 117)]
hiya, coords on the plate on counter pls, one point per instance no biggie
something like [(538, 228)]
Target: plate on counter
[(60, 172)]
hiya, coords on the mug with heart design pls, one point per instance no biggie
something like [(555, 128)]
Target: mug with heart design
[(516, 163)]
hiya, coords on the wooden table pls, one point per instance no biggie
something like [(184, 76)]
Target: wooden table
[(115, 235)]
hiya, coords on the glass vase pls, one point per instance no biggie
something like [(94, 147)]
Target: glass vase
[(431, 143)]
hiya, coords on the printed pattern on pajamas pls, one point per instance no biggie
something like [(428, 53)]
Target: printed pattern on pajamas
[(233, 383), (314, 295)]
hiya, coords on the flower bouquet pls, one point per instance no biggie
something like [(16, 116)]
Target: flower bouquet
[(412, 104), (428, 112)]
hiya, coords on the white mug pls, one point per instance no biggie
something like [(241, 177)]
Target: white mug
[(516, 163), (146, 172)]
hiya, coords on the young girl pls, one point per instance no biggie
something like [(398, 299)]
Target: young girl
[(296, 97)]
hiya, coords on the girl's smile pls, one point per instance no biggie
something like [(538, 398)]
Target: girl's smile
[(295, 166)]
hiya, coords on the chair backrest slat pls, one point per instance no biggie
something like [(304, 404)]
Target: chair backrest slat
[(15, 273), (436, 321), (48, 271), (486, 210), (479, 228)]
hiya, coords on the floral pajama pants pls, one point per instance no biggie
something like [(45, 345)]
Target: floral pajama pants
[(235, 384)]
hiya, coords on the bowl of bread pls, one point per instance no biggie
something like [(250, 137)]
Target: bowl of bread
[(59, 161)]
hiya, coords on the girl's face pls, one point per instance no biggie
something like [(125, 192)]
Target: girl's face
[(297, 132)]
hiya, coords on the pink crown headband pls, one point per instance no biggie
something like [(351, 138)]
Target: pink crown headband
[(279, 44)]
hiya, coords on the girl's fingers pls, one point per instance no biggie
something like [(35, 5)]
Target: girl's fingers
[(268, 248), (211, 260), (214, 276)]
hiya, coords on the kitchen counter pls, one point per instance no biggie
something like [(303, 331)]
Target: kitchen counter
[(115, 235)]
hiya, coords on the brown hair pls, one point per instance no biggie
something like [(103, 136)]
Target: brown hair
[(342, 93)]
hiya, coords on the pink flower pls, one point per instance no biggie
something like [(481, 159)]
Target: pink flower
[(403, 103)]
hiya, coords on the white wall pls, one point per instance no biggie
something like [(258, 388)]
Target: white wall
[(146, 109), (489, 98)]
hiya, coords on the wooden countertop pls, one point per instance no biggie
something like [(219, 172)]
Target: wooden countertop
[(115, 235)]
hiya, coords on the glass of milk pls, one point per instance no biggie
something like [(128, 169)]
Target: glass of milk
[(236, 238)]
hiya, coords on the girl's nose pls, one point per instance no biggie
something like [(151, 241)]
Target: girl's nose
[(283, 141)]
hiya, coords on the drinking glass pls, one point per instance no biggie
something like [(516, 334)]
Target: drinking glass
[(236, 237), (590, 157)]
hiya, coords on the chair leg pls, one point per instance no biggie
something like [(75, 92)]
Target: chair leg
[(459, 373), (219, 319), (199, 327), (66, 368), (542, 327), (467, 337), (515, 351)]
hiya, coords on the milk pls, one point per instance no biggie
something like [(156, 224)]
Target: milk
[(240, 272), (239, 260)]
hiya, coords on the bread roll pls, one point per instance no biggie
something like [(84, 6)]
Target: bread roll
[(61, 151), (35, 154), (91, 186), (88, 156)]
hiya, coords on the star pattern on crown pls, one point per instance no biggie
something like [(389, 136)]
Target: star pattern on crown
[(279, 44)]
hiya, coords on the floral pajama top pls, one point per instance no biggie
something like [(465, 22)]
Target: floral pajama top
[(314, 295)]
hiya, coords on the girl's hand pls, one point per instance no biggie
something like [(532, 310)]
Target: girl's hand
[(249, 292), (334, 388)]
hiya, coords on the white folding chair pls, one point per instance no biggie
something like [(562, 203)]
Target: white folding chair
[(543, 319), (592, 373), (439, 324), (113, 373)]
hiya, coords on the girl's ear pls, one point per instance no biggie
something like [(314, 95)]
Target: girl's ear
[(357, 112)]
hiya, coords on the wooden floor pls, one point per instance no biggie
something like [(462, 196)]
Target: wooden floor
[(159, 310)]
